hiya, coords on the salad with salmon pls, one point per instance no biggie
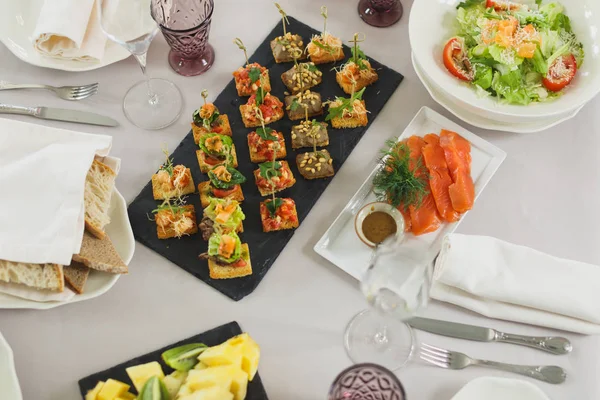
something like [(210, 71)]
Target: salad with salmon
[(520, 52)]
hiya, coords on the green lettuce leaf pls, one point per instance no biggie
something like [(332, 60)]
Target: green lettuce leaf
[(227, 143), (236, 178), (483, 76), (215, 241), (236, 217), (510, 87)]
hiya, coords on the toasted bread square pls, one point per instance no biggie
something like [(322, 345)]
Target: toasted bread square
[(280, 46), (244, 91), (160, 194), (318, 56), (223, 123), (219, 271), (315, 165), (168, 232), (245, 108), (352, 121), (365, 78), (308, 77), (287, 224), (302, 135), (312, 100), (205, 167), (205, 196), (256, 158), (267, 191)]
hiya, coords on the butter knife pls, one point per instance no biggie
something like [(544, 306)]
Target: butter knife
[(60, 114), (550, 344)]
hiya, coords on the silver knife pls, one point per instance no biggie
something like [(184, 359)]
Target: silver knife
[(550, 344), (60, 114)]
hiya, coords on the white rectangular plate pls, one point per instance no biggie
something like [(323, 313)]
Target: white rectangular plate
[(340, 244)]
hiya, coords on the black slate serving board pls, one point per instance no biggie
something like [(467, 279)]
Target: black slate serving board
[(215, 336), (264, 247)]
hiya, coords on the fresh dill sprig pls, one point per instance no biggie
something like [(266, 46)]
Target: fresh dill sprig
[(398, 182)]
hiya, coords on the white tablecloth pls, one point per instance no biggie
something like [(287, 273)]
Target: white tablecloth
[(544, 196)]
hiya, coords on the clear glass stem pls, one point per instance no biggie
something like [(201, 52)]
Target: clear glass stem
[(141, 59)]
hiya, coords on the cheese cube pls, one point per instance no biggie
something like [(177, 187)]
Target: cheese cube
[(139, 374), (112, 389), (92, 394)]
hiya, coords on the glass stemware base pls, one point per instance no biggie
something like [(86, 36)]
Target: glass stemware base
[(153, 104), (373, 337), (191, 67), (380, 15)]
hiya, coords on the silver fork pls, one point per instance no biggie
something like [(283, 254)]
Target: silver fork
[(64, 92), (455, 360)]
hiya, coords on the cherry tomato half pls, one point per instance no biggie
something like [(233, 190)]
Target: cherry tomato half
[(456, 61), (561, 73)]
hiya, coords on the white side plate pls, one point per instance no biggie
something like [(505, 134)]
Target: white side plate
[(120, 233), (489, 388), (9, 384), (340, 244), (17, 22)]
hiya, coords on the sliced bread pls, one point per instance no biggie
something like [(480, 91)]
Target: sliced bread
[(99, 185), (100, 254), (76, 275), (39, 276)]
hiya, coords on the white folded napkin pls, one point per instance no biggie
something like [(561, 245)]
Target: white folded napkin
[(43, 181), (505, 281), (42, 296), (70, 29)]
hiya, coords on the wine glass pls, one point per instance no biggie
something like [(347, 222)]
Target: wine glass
[(151, 103), (185, 24), (366, 381), (380, 13), (396, 285)]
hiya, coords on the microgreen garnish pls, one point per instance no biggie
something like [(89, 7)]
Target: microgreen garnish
[(265, 133), (284, 19), (168, 165), (270, 169), (176, 206), (295, 104), (273, 205), (240, 44), (254, 74), (311, 67), (347, 104), (358, 56), (396, 182)]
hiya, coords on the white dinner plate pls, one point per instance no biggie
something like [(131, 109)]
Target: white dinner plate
[(9, 384), (476, 120), (17, 22), (490, 388), (121, 235), (340, 244)]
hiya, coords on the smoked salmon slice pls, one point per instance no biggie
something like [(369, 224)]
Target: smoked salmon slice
[(439, 177), (424, 219), (457, 152)]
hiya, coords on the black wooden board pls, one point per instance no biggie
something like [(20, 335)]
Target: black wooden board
[(215, 336), (264, 247)]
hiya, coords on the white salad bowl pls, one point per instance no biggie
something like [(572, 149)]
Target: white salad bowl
[(432, 23)]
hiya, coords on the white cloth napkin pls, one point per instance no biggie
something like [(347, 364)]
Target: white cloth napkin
[(42, 296), (505, 281), (42, 176), (70, 29)]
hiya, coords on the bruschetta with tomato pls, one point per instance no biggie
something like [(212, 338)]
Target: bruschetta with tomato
[(224, 183), (273, 177), (270, 107), (227, 256), (266, 143), (215, 150), (249, 79), (278, 214)]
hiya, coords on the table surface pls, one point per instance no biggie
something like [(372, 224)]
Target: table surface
[(545, 196)]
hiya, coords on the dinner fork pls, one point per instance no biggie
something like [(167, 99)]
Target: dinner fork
[(64, 92), (455, 360)]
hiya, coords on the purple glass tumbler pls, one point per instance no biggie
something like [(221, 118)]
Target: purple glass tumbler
[(366, 381), (185, 25), (380, 13)]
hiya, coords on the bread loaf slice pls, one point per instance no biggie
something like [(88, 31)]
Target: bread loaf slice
[(76, 275), (39, 276), (100, 254), (99, 185)]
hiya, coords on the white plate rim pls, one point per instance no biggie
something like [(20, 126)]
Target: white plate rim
[(492, 380), (120, 212), (354, 204), (467, 117), (14, 387), (12, 37)]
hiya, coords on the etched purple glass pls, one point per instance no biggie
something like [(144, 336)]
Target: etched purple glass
[(185, 25), (380, 13), (366, 382)]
